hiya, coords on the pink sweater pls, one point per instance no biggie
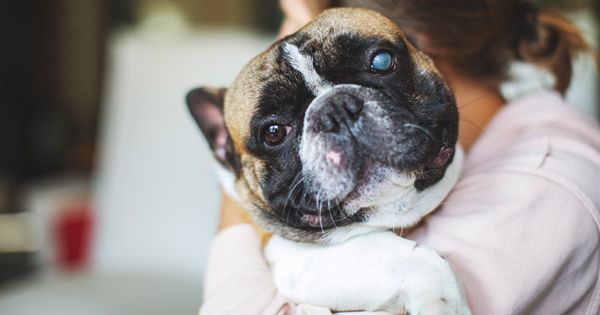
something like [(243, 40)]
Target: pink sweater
[(521, 228)]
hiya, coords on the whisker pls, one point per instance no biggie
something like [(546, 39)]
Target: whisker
[(302, 194), (425, 172), (344, 216), (319, 212), (212, 173), (286, 209), (331, 214), (420, 128)]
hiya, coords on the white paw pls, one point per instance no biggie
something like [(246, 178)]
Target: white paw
[(438, 292)]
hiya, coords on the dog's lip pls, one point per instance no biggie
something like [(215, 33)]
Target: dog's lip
[(441, 158), (312, 219), (325, 219), (364, 174)]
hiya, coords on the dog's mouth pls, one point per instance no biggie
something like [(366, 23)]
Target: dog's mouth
[(328, 215), (318, 215), (327, 219), (317, 219)]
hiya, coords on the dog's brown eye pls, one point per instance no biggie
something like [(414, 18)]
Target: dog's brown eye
[(275, 134)]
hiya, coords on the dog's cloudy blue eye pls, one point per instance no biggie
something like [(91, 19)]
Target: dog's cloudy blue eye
[(382, 62)]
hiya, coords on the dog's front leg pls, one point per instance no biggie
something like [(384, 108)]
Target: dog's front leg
[(378, 271)]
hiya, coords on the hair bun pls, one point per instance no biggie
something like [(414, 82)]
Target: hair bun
[(550, 41), (538, 41)]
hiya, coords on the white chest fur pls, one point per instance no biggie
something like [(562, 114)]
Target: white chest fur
[(377, 271)]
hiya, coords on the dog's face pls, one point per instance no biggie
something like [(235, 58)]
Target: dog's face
[(336, 129)]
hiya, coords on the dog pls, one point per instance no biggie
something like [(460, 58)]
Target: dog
[(331, 138)]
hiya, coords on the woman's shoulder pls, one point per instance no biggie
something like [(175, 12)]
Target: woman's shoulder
[(538, 117), (539, 156), (526, 212), (541, 136)]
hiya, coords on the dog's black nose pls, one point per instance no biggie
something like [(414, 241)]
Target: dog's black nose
[(341, 109)]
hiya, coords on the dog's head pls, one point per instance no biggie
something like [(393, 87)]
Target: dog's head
[(342, 124)]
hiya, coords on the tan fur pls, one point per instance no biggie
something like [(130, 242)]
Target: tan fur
[(249, 188), (240, 104), (264, 237), (249, 182), (360, 21), (242, 98)]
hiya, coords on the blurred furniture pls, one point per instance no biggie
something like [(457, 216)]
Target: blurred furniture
[(16, 246), (50, 72)]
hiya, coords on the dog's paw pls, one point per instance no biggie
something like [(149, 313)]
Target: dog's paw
[(438, 292)]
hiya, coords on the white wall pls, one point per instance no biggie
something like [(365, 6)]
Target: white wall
[(157, 193)]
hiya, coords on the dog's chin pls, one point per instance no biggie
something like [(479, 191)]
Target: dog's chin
[(393, 202)]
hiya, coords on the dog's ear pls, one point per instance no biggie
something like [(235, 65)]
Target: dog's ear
[(206, 106)]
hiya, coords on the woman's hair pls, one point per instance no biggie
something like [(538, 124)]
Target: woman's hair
[(480, 38)]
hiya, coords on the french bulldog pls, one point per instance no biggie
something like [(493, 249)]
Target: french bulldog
[(332, 138)]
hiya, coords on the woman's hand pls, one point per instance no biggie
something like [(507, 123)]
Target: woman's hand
[(231, 213), (298, 13)]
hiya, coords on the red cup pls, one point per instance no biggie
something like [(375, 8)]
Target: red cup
[(72, 233)]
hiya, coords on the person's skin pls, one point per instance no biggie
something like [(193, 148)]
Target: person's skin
[(477, 102), (231, 213)]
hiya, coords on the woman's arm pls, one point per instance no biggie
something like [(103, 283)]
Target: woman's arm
[(231, 213)]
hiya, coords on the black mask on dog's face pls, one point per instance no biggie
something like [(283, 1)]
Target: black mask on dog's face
[(341, 124)]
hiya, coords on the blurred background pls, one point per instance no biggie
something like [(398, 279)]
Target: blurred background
[(108, 195)]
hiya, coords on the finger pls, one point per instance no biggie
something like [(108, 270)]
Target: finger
[(298, 11), (287, 27)]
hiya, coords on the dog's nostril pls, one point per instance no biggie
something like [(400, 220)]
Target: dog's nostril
[(328, 122), (352, 105), (339, 110)]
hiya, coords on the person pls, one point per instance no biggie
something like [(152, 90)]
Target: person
[(521, 228)]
